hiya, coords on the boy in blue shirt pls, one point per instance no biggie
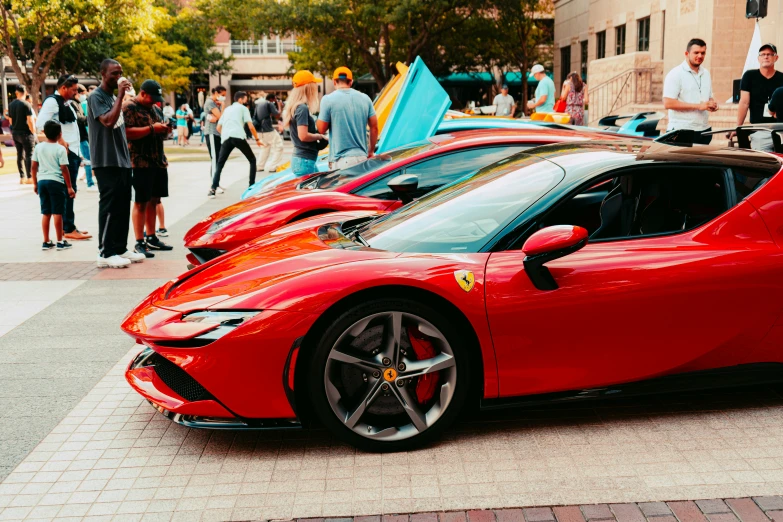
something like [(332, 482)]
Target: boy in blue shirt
[(52, 183)]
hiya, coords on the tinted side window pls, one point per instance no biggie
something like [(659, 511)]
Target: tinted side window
[(435, 172), (646, 202), (747, 181)]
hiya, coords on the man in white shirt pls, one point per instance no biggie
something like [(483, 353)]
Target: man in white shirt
[(231, 127), (57, 108), (687, 93), (504, 103)]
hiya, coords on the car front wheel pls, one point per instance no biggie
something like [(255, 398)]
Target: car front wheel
[(389, 375)]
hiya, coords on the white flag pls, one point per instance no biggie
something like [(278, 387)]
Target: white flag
[(752, 60)]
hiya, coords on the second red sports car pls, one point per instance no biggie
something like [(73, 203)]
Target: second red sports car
[(564, 272), (373, 185)]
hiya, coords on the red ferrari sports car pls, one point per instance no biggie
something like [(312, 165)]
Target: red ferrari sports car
[(380, 184), (563, 272)]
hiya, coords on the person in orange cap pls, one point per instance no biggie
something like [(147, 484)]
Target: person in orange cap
[(302, 103), (346, 113)]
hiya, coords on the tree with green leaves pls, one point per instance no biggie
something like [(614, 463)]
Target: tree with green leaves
[(371, 35), (34, 33)]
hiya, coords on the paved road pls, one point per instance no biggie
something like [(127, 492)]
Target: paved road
[(75, 441)]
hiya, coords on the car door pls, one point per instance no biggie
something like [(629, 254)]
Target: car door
[(632, 308)]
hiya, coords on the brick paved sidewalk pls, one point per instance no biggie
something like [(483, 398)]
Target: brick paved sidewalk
[(757, 509), (84, 270)]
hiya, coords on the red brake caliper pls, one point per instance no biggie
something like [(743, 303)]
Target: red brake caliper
[(425, 387)]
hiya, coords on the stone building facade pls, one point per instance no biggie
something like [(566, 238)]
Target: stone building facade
[(605, 39)]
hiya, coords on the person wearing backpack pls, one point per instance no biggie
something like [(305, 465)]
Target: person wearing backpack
[(58, 108), (271, 143)]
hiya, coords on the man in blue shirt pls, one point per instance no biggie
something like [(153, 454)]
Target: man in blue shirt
[(346, 113), (545, 92)]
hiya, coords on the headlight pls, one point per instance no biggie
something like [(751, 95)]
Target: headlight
[(224, 320), (221, 317), (220, 223)]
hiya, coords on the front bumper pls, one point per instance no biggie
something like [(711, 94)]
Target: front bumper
[(156, 379)]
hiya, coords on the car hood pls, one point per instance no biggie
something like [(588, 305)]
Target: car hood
[(241, 210), (309, 245)]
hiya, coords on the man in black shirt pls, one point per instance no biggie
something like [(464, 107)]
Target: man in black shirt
[(20, 114), (756, 89)]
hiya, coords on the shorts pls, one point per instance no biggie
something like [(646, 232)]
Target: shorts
[(53, 196), (148, 183)]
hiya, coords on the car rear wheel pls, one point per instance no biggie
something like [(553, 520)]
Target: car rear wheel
[(389, 375)]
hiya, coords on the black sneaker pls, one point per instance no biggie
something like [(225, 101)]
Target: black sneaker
[(47, 245), (162, 232), (156, 244), (141, 248), (211, 194), (64, 245)]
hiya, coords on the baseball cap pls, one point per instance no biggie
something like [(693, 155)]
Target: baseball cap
[(537, 68), (303, 78), (342, 73), (504, 87), (154, 89), (769, 46)]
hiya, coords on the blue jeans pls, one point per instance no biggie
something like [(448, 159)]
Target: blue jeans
[(85, 148), (302, 166)]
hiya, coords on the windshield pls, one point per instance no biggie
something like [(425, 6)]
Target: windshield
[(465, 215), (332, 180)]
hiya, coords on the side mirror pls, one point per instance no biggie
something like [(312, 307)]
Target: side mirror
[(403, 186), (546, 245)]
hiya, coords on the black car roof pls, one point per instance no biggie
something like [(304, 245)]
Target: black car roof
[(587, 159)]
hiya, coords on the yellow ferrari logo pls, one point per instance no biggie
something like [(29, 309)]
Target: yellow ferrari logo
[(465, 279), (390, 374)]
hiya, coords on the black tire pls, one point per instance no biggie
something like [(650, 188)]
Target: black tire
[(322, 347)]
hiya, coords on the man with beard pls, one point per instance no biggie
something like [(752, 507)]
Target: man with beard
[(111, 166), (687, 94), (146, 131)]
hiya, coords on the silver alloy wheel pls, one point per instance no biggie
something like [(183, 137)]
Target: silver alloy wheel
[(373, 346)]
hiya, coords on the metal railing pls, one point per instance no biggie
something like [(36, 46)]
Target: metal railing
[(630, 87), (266, 46)]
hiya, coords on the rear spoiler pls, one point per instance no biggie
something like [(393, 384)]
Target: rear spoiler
[(743, 132), (639, 124)]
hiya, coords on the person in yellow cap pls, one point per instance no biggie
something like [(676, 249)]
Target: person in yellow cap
[(301, 104), (346, 113)]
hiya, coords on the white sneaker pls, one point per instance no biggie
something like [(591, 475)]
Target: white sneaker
[(220, 190), (82, 176), (134, 257), (94, 188), (113, 262)]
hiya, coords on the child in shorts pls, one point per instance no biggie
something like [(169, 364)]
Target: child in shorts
[(52, 183)]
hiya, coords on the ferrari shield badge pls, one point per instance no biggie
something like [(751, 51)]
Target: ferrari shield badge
[(465, 279)]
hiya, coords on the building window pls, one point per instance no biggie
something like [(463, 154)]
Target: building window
[(600, 45), (643, 34), (565, 63), (275, 45), (583, 60), (619, 39)]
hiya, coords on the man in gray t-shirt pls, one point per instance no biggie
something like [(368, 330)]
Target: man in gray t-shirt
[(504, 103), (111, 166), (346, 113), (212, 110), (267, 110)]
